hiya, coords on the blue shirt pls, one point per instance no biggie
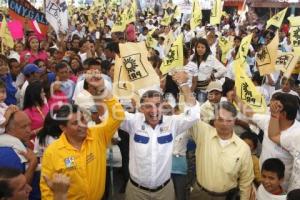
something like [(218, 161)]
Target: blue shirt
[(10, 90)]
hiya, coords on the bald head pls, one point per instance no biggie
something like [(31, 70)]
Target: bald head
[(19, 125)]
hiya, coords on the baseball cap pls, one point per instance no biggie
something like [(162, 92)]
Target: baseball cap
[(214, 85), (31, 68)]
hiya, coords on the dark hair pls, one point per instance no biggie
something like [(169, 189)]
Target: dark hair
[(50, 128), (196, 57), (274, 165), (151, 94), (32, 95), (93, 61), (63, 113), (105, 66), (226, 105), (227, 86), (250, 136), (82, 42), (113, 46), (60, 66), (5, 175), (293, 195), (80, 68), (290, 80), (290, 104), (257, 78), (2, 84), (4, 59), (237, 38)]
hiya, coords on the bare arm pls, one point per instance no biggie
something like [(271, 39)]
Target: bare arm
[(274, 129)]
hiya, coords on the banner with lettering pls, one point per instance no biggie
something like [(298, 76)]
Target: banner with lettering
[(277, 19), (196, 15), (244, 48), (295, 33), (266, 58), (216, 12), (246, 90), (133, 72), (23, 11), (57, 15), (174, 58), (286, 62)]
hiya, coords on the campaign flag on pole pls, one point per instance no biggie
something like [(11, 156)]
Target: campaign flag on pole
[(23, 11), (196, 15), (295, 33), (57, 15), (216, 12), (134, 72), (150, 41), (266, 58), (246, 90), (16, 29), (174, 58), (225, 46), (5, 35), (166, 20), (120, 23), (277, 19), (244, 48), (286, 62)]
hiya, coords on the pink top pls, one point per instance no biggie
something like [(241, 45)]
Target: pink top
[(37, 116), (33, 57), (130, 33), (73, 78), (57, 100)]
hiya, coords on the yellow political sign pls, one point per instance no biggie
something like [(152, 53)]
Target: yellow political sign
[(196, 15), (244, 48), (120, 23), (277, 19), (135, 71), (177, 12), (225, 46), (246, 90), (5, 35), (286, 62), (174, 58), (130, 13), (150, 41), (166, 20), (295, 33), (216, 12), (169, 39), (266, 58)]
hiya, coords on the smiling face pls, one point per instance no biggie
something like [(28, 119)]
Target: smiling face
[(34, 44), (270, 181), (151, 108)]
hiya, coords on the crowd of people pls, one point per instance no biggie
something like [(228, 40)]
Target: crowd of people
[(192, 138)]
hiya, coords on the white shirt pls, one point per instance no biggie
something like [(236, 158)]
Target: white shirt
[(273, 150), (142, 38), (206, 4), (3, 108), (180, 143), (230, 72), (262, 194), (22, 93), (292, 92), (150, 150), (291, 143), (39, 149)]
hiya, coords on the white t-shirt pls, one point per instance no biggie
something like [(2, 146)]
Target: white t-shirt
[(291, 142), (3, 108), (262, 194), (273, 150), (292, 92)]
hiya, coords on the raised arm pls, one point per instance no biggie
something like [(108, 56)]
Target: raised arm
[(274, 129)]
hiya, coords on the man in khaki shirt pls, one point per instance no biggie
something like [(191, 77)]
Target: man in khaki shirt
[(223, 160)]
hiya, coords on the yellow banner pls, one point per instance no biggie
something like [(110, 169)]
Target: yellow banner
[(131, 12), (133, 71), (150, 41), (196, 15), (174, 58), (169, 39), (5, 35), (295, 33), (166, 20), (225, 46), (266, 58), (246, 90), (244, 48), (216, 12), (277, 19), (120, 23), (286, 62)]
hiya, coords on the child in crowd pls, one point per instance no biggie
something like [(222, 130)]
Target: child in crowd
[(252, 140), (5, 111), (272, 174)]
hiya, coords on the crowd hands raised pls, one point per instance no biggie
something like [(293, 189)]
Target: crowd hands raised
[(191, 137)]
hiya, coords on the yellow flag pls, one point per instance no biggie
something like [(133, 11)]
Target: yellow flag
[(150, 41), (130, 13), (120, 23), (166, 20), (295, 33), (196, 15), (216, 13), (177, 12), (91, 24), (174, 58), (225, 46), (266, 58), (5, 35), (169, 39), (246, 90), (244, 48), (136, 72), (277, 19), (286, 62)]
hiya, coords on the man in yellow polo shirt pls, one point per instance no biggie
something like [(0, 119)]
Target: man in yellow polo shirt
[(80, 152)]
